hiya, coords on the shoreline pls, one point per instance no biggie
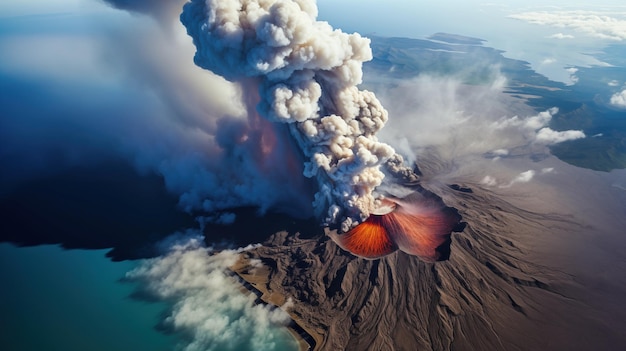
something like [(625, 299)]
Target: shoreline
[(305, 340)]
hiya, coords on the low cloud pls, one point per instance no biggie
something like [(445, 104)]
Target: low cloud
[(619, 99), (501, 152), (523, 177), (442, 115), (531, 123), (208, 310), (550, 137), (535, 131), (489, 181), (573, 78), (561, 36), (597, 24)]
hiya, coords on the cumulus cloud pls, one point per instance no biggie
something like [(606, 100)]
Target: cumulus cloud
[(501, 152), (598, 24), (613, 83), (561, 36), (549, 137), (523, 177), (208, 310), (535, 130), (573, 78), (619, 99)]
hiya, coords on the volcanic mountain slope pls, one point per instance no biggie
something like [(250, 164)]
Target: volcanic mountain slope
[(497, 291)]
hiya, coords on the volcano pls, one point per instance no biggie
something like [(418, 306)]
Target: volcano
[(501, 288)]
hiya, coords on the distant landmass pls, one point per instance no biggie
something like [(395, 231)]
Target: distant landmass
[(582, 106), (456, 39)]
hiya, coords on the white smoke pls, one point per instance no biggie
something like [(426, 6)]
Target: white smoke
[(307, 75), (442, 114), (208, 308)]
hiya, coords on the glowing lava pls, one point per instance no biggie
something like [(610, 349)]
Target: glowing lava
[(369, 239), (417, 225)]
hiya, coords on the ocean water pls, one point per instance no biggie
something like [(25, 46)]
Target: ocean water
[(55, 299)]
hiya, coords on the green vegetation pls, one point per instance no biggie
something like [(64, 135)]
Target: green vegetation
[(597, 153), (604, 148)]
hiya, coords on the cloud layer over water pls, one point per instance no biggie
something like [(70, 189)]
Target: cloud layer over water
[(209, 311), (600, 24)]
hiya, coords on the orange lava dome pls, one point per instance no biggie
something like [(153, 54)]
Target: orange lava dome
[(415, 224)]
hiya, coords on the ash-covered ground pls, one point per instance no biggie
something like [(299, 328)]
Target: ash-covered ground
[(538, 268)]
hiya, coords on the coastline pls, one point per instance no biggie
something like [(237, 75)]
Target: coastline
[(251, 283)]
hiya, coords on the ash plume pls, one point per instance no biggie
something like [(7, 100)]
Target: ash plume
[(306, 74)]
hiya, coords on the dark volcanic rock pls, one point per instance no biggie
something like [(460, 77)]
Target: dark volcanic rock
[(460, 188), (492, 294)]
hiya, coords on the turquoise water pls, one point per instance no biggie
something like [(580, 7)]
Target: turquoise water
[(55, 299), (72, 300)]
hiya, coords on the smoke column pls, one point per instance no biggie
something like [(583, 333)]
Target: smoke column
[(306, 74)]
